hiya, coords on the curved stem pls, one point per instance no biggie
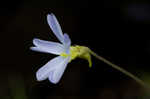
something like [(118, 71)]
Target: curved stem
[(119, 69)]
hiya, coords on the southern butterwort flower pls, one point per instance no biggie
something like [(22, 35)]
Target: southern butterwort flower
[(54, 69)]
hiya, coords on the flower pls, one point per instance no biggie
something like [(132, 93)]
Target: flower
[(54, 69)]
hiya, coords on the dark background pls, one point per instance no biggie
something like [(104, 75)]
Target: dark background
[(116, 30)]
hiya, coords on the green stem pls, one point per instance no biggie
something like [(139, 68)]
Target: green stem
[(119, 69)]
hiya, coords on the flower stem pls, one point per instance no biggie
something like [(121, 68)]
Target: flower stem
[(120, 69)]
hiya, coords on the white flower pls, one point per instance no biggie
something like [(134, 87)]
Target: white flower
[(54, 69)]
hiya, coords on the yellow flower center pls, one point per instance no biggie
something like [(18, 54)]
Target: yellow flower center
[(79, 51)]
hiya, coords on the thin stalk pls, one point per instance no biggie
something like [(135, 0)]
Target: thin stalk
[(120, 69)]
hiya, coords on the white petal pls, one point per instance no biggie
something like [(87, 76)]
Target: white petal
[(67, 43), (54, 25), (38, 49), (44, 71), (67, 40), (56, 75), (48, 46)]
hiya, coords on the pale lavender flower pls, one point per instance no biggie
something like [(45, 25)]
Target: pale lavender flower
[(54, 69)]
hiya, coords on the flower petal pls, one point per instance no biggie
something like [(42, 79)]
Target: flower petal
[(48, 46), (44, 71), (54, 25), (67, 43), (38, 49), (56, 75), (67, 40)]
